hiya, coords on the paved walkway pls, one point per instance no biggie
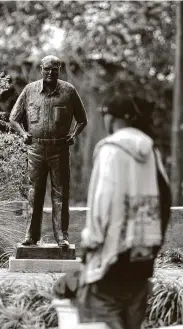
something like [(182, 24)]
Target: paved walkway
[(25, 278), (170, 272), (41, 278)]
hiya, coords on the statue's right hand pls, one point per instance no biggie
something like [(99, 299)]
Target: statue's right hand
[(27, 138)]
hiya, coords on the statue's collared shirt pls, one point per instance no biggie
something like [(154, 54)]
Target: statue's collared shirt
[(49, 115)]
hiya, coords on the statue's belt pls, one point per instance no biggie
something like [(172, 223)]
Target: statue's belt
[(50, 141)]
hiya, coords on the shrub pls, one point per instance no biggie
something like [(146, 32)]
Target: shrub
[(13, 167), (27, 306), (12, 231), (165, 306), (173, 256)]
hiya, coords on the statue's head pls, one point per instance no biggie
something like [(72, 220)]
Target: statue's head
[(50, 69)]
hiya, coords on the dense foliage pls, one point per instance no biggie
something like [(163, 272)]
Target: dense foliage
[(130, 42), (13, 167), (27, 305), (165, 304), (4, 82), (107, 48)]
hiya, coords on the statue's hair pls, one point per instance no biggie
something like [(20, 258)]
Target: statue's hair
[(51, 59)]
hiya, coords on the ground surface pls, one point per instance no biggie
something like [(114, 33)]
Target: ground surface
[(174, 236), (25, 278), (77, 219)]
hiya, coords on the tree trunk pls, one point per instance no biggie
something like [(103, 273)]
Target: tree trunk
[(177, 116)]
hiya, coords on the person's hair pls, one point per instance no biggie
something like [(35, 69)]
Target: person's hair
[(135, 112)]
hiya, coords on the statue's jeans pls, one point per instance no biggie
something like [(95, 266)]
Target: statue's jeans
[(44, 159)]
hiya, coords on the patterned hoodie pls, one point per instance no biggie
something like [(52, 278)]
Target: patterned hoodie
[(124, 202)]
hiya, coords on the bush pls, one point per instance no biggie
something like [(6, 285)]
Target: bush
[(165, 306), (12, 232), (27, 306), (13, 167), (170, 257), (175, 255)]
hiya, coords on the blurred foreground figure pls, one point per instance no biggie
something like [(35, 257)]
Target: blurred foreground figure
[(129, 201), (49, 105)]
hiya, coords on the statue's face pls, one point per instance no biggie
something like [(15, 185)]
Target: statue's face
[(50, 72)]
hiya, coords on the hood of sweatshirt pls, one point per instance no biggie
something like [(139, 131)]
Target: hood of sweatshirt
[(132, 141)]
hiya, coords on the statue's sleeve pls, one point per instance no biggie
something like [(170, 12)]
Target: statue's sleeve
[(18, 111), (78, 108)]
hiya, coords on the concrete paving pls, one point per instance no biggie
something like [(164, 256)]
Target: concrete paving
[(171, 272), (43, 265), (25, 278)]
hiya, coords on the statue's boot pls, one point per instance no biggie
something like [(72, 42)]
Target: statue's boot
[(63, 240), (29, 242)]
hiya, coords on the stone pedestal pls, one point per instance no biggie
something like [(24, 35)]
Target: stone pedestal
[(43, 265), (45, 258), (45, 251)]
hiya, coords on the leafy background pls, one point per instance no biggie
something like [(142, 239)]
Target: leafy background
[(107, 49)]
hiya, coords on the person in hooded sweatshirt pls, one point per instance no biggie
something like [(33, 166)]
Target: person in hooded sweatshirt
[(129, 201)]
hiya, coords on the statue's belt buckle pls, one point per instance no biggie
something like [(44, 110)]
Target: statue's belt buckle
[(47, 141)]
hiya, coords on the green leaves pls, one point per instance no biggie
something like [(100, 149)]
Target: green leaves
[(4, 82), (13, 167), (165, 306), (27, 306), (108, 48), (136, 38)]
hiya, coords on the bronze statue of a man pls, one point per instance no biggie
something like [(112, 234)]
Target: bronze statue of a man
[(49, 105)]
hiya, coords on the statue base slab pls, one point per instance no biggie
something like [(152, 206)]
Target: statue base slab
[(43, 265), (45, 251)]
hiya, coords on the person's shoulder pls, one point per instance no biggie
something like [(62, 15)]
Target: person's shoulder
[(110, 142), (105, 146), (66, 85), (101, 143)]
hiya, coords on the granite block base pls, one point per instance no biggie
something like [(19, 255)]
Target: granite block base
[(45, 251), (43, 265)]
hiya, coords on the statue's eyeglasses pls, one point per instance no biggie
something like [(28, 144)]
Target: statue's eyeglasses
[(51, 69)]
